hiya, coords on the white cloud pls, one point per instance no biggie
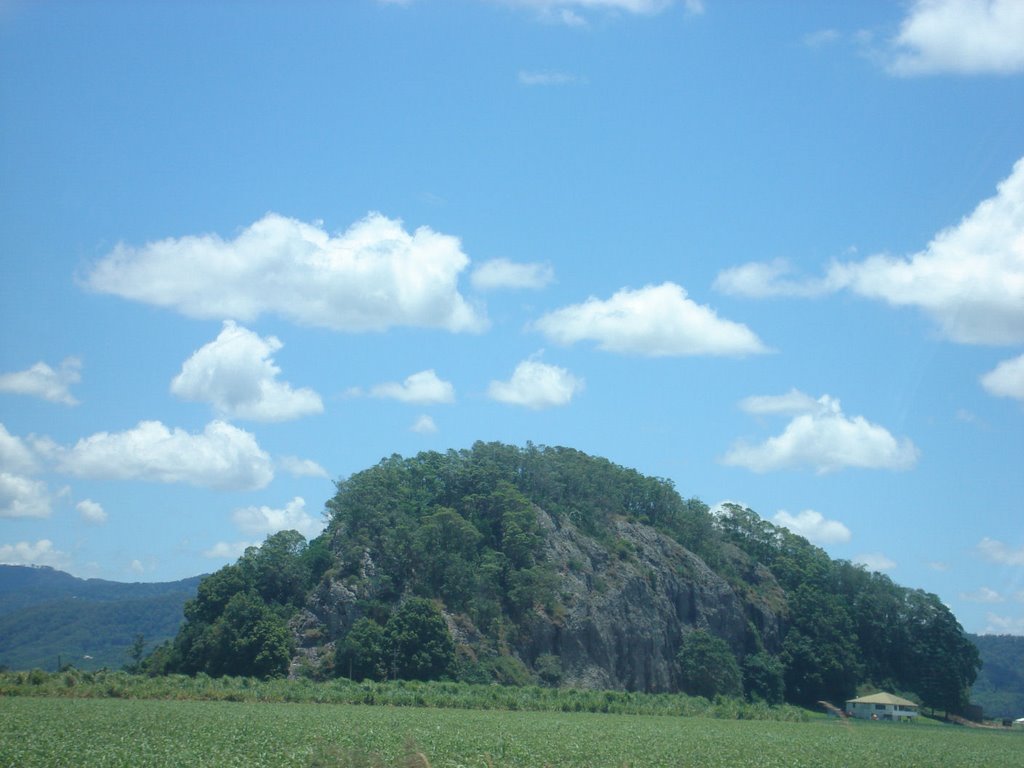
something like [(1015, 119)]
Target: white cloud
[(536, 385), (224, 550), (22, 496), (91, 511), (137, 567), (501, 273), (27, 553), (875, 562), (222, 457), (236, 374), (982, 595), (969, 279), (1004, 625), (824, 439), (813, 526), (629, 6), (15, 456), (424, 425), (255, 521), (423, 388), (960, 36), (1006, 379), (656, 321), (372, 277), (792, 402), (293, 465), (997, 552), (939, 566), (43, 381), (545, 78), (820, 38), (761, 280)]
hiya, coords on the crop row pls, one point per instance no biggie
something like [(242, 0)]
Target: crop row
[(41, 731)]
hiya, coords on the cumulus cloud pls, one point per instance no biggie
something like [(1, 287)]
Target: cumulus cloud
[(820, 437), (960, 36), (1006, 379), (656, 321), (255, 521), (875, 562), (91, 512), (221, 457), (813, 526), (39, 553), (22, 496), (423, 388), (969, 279), (997, 552), (502, 273), (536, 385), (43, 381), (293, 465), (15, 455), (224, 550), (372, 277), (424, 425), (982, 595), (236, 374)]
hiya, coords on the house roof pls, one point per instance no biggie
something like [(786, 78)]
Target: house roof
[(882, 698)]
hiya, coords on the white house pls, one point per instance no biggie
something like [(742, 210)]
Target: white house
[(881, 706)]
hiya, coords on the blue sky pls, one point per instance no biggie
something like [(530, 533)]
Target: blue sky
[(773, 252)]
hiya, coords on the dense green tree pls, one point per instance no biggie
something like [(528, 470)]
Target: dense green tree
[(363, 652), (418, 643), (763, 678), (445, 549), (707, 666)]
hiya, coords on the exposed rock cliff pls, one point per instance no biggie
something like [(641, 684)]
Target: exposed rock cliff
[(619, 615)]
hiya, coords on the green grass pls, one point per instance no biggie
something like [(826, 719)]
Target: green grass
[(46, 731), (401, 693)]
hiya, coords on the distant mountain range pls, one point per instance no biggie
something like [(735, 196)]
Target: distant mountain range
[(999, 688), (48, 617)]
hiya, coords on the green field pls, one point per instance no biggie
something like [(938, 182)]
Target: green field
[(137, 733)]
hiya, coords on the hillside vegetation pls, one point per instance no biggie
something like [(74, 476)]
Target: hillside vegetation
[(999, 688), (48, 616), (546, 565)]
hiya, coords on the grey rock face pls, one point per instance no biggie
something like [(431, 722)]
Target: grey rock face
[(621, 612), (626, 612)]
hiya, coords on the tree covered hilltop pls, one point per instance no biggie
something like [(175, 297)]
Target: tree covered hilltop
[(546, 565)]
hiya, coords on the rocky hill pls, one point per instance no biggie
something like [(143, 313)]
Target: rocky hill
[(547, 565)]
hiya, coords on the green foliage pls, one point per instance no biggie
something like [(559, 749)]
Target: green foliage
[(237, 624), (763, 678), (999, 688), (362, 654), (707, 666), (91, 623), (549, 669), (418, 642)]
